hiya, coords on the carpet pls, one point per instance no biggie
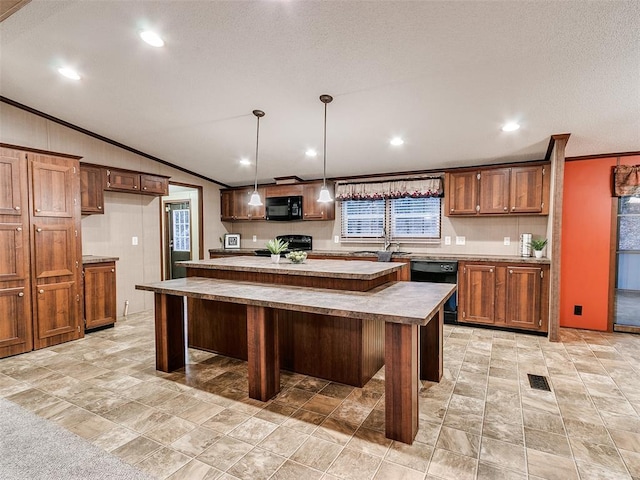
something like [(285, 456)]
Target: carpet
[(33, 448)]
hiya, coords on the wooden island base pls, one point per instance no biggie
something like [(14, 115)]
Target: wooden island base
[(407, 358)]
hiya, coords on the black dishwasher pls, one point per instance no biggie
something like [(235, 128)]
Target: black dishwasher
[(438, 272)]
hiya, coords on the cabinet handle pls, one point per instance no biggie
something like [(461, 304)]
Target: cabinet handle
[(99, 207), (513, 208), (38, 230), (113, 270), (17, 207), (510, 271), (21, 294), (505, 209), (144, 188), (19, 229), (40, 291), (451, 210), (37, 209), (491, 270), (135, 187)]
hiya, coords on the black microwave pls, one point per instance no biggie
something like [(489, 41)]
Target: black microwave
[(283, 208)]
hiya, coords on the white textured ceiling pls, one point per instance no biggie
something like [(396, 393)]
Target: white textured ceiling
[(443, 75)]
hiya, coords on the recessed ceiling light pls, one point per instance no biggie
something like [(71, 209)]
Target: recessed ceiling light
[(510, 127), (244, 161), (69, 73), (152, 38), (395, 141), (311, 153)]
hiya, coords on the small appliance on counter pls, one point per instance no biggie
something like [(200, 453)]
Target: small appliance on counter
[(296, 242), (524, 248)]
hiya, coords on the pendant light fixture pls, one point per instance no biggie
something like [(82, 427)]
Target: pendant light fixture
[(255, 196), (325, 196)]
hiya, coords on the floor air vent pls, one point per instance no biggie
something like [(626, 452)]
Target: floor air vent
[(539, 382)]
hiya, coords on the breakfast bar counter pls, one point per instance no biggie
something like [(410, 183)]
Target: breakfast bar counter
[(402, 308), (320, 344)]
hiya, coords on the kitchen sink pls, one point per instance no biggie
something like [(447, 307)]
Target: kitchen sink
[(375, 252)]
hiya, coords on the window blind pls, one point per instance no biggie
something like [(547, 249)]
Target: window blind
[(362, 218), (414, 218)]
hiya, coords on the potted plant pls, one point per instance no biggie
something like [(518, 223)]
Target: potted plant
[(276, 247), (537, 246)]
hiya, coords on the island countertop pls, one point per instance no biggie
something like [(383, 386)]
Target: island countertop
[(341, 269), (412, 303)]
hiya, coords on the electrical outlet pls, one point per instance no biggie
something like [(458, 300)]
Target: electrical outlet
[(447, 240), (255, 238), (461, 240), (134, 240), (336, 239), (577, 309), (507, 240)]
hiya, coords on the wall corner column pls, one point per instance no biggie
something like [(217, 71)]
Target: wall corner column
[(559, 143)]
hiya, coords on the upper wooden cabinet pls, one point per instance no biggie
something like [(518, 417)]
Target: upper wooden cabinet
[(515, 190), (11, 200), (136, 182), (93, 181), (514, 295), (314, 210), (234, 204)]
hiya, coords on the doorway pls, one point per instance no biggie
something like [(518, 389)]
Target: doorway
[(627, 285), (181, 213)]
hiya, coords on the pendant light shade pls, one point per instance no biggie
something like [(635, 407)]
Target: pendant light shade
[(325, 196), (255, 196)]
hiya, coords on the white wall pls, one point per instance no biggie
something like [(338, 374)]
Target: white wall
[(126, 215)]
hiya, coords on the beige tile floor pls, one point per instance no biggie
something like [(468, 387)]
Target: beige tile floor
[(483, 421)]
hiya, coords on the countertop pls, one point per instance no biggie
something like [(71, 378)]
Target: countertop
[(87, 259), (359, 270), (398, 302), (402, 255)]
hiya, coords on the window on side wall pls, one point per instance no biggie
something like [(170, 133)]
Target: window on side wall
[(404, 219)]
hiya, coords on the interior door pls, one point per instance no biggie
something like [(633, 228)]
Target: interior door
[(178, 238)]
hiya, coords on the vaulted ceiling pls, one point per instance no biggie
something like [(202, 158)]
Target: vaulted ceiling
[(443, 75)]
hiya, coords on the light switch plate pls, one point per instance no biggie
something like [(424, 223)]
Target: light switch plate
[(336, 239), (255, 238), (507, 240), (134, 240), (447, 240), (461, 240)]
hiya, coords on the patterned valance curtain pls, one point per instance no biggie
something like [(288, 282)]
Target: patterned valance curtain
[(626, 180), (416, 188)]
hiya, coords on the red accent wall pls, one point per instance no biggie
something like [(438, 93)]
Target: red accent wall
[(586, 238)]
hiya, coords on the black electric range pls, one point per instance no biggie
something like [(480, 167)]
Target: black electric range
[(296, 242)]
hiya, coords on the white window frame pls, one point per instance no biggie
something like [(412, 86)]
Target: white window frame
[(389, 223)]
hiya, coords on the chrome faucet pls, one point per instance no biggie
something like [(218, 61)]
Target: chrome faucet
[(387, 241)]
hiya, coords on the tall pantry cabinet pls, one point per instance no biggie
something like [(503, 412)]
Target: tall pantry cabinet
[(40, 250)]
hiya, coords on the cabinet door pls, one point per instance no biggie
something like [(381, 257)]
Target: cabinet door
[(52, 187), (462, 193), (523, 297), (314, 210), (226, 205), (12, 252), (154, 184), (283, 191), (494, 191), (99, 295), (15, 327), (123, 181), (56, 311), (527, 191), (12, 202), (92, 185), (54, 250), (478, 290)]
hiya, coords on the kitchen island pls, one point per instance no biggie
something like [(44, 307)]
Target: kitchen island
[(400, 307), (333, 347)]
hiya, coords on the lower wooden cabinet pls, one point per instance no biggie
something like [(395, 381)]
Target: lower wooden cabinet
[(15, 327), (514, 295), (99, 294)]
